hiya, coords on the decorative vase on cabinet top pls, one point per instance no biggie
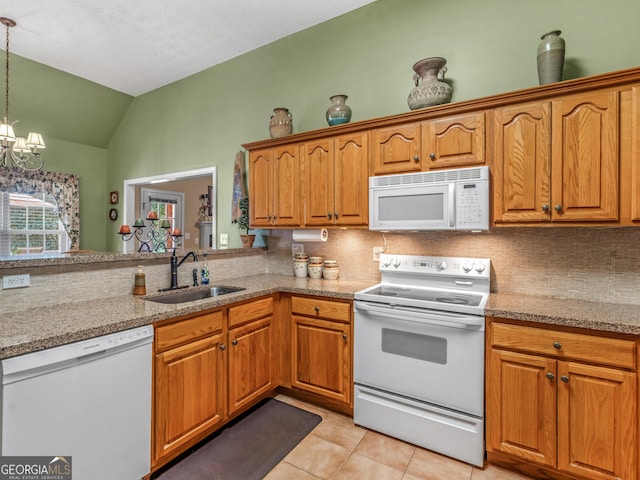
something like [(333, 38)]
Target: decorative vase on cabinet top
[(429, 90), (280, 124), (338, 112), (550, 57)]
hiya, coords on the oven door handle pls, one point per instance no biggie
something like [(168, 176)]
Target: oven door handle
[(421, 315)]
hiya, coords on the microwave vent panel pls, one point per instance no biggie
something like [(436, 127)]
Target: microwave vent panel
[(440, 176)]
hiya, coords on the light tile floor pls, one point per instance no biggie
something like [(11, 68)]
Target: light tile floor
[(339, 450)]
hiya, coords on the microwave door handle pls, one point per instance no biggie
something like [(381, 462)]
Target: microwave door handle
[(452, 206), (421, 315)]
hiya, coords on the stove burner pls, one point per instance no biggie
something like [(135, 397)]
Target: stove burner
[(456, 300)]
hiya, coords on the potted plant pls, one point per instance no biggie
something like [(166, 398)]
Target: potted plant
[(243, 223)]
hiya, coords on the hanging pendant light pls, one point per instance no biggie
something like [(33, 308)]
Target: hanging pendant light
[(15, 151)]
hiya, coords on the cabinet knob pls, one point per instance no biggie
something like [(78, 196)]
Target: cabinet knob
[(558, 208), (335, 215), (564, 378), (329, 215), (416, 158), (317, 309), (545, 208), (223, 347), (344, 336), (432, 156), (550, 376), (234, 342), (557, 345)]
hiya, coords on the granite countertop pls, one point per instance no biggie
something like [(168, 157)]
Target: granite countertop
[(603, 317), (38, 328)]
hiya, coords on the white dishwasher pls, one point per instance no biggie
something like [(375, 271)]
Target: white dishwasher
[(90, 400)]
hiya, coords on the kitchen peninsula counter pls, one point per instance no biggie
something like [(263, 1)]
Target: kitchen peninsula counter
[(38, 328)]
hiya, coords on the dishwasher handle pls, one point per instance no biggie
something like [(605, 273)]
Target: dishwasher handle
[(421, 315)]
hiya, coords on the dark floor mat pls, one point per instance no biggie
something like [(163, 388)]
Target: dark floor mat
[(249, 448)]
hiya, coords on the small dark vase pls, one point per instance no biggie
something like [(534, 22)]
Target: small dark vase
[(550, 57)]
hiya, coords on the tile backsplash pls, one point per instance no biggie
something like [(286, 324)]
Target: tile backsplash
[(601, 264)]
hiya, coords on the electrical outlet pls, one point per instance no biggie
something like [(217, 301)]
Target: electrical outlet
[(16, 281), (224, 239), (376, 253)]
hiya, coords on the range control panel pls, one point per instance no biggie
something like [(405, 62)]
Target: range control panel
[(458, 266)]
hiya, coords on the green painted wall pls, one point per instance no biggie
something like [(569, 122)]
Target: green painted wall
[(367, 54), (98, 133)]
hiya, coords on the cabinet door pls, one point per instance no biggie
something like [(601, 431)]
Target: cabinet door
[(596, 421), (635, 154), (321, 358), (189, 393), (351, 179), (286, 186), (584, 161), (453, 142), (261, 187), (396, 149), (250, 362), (317, 158), (521, 406), (521, 170)]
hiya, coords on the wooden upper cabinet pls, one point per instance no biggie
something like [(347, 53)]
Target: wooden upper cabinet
[(261, 187), (318, 160), (396, 149), (635, 154), (453, 142), (351, 179), (336, 181), (521, 163), (274, 187), (584, 159)]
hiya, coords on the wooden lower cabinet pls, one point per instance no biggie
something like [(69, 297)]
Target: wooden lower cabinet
[(189, 384), (251, 371), (565, 407), (207, 369), (321, 348)]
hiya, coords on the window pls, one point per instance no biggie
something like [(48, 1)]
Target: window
[(30, 223), (168, 206)]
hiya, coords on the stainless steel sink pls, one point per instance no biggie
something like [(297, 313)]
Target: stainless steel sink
[(191, 295)]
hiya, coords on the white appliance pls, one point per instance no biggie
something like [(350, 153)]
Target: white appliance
[(438, 200), (419, 353), (90, 400)]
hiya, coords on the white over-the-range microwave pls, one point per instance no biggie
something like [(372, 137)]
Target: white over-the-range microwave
[(456, 199)]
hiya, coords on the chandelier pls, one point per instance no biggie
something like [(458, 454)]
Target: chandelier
[(17, 151)]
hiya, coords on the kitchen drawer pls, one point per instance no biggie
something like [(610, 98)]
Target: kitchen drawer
[(250, 311), (313, 307), (565, 345), (184, 331)]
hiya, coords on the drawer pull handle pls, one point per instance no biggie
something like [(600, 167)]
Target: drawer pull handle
[(234, 341), (564, 378), (557, 345), (550, 376), (344, 336), (317, 309)]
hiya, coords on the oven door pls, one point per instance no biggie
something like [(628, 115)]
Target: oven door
[(436, 357)]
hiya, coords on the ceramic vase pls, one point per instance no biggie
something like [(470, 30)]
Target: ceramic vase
[(280, 124), (550, 57), (339, 112), (430, 88)]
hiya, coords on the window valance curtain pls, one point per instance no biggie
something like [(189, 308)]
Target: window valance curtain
[(63, 187)]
